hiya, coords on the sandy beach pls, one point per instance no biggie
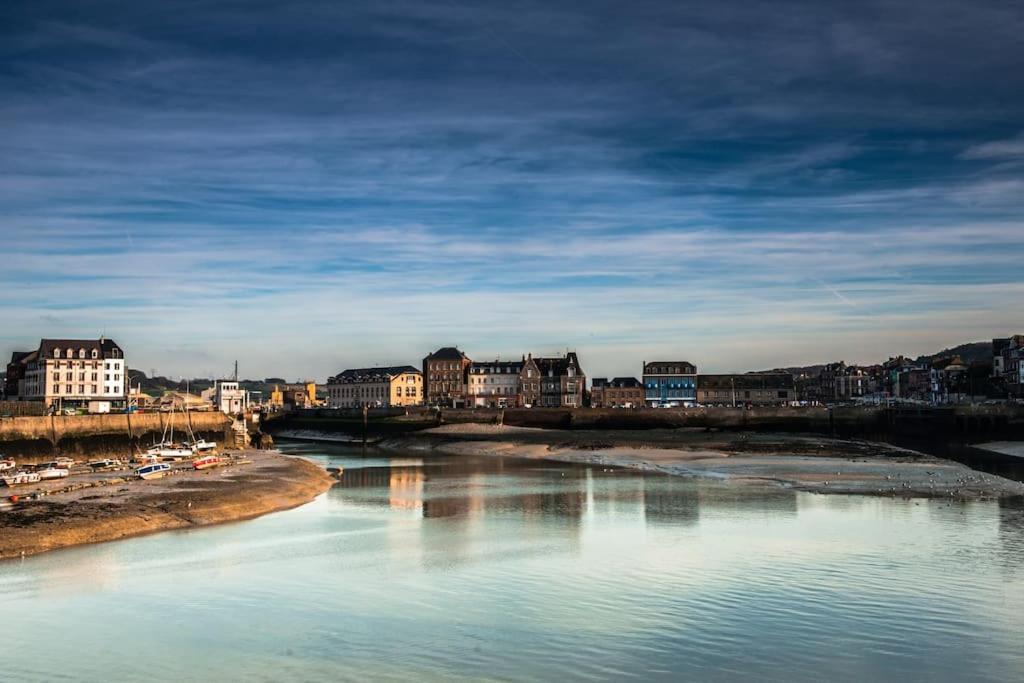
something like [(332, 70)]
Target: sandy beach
[(802, 462), (114, 505)]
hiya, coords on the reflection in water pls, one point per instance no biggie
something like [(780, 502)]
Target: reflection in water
[(463, 568)]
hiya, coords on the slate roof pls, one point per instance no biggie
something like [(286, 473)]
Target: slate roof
[(106, 348), (496, 368), (446, 353), (371, 374), (665, 367), (753, 381)]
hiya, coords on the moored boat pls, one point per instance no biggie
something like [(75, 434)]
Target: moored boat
[(7, 465), (66, 463), (153, 471), (105, 464), (202, 445), (19, 478), (206, 462), (179, 452), (53, 473)]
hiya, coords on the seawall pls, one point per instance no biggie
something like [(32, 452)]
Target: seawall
[(867, 421), (37, 438)]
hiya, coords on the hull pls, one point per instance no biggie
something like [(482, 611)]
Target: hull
[(21, 478), (205, 463), (153, 471), (53, 473)]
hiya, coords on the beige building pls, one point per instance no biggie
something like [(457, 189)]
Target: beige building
[(72, 373), (495, 385), (389, 387)]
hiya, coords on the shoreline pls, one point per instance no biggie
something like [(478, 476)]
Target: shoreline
[(799, 462), (267, 482)]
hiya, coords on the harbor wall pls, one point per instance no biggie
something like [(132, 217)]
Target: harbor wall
[(852, 421), (111, 435)]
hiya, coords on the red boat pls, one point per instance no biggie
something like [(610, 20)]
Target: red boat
[(206, 462)]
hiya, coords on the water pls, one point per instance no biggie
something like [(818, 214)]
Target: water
[(445, 568)]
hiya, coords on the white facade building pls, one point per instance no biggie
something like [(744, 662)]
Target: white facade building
[(72, 373), (230, 398)]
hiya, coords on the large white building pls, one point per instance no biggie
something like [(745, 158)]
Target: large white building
[(72, 373), (229, 398)]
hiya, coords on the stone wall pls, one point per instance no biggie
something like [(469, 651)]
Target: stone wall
[(28, 438)]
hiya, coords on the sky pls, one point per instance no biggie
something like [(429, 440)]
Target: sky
[(315, 185)]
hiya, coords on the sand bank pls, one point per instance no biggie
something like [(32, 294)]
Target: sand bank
[(801, 462), (114, 505)]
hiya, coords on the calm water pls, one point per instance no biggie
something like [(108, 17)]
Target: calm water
[(445, 569)]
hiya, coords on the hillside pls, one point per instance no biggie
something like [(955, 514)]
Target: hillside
[(971, 352)]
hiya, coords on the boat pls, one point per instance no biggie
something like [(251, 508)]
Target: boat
[(65, 462), (20, 478), (153, 471), (105, 464), (206, 462), (202, 445), (7, 465), (175, 452), (53, 473)]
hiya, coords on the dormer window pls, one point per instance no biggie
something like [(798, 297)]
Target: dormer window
[(81, 353), (56, 353), (70, 354), (95, 353)]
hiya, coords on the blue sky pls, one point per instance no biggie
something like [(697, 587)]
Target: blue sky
[(315, 185)]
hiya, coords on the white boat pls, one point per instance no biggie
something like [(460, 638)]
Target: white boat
[(65, 462), (153, 471), (53, 473), (202, 445), (173, 452), (20, 478), (7, 465)]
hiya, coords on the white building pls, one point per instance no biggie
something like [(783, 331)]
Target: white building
[(229, 398), (495, 385), (72, 373)]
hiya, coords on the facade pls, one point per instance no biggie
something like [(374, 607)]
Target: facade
[(71, 373), (948, 380), (529, 382), (230, 398), (13, 381), (1012, 364), (842, 382), (445, 375), (496, 384), (396, 386), (670, 384), (562, 382), (621, 392), (751, 389)]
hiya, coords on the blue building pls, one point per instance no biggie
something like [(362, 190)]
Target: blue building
[(670, 384)]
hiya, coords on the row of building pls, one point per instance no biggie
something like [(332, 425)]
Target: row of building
[(449, 378)]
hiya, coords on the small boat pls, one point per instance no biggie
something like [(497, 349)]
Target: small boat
[(157, 469), (106, 464), (202, 445), (6, 465), (20, 478), (206, 462), (53, 473), (65, 462), (178, 452)]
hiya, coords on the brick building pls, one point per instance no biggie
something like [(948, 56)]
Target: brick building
[(620, 392), (445, 378)]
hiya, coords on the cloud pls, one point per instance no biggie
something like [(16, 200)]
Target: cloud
[(675, 179)]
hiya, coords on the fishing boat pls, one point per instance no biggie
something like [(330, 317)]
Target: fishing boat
[(206, 462), (153, 471), (19, 478), (167, 448), (53, 473), (7, 465)]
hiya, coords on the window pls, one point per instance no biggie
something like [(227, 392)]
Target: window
[(56, 353)]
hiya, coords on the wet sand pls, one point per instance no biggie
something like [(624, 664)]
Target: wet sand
[(801, 462), (114, 505)]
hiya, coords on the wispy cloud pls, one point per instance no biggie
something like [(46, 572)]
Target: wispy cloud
[(673, 179)]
